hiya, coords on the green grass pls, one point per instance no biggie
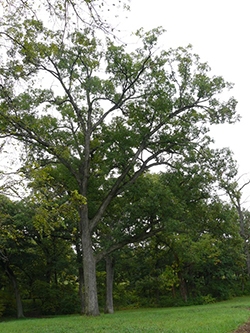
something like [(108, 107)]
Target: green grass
[(221, 317)]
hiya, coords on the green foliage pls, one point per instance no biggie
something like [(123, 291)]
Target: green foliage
[(7, 300), (199, 252), (208, 299), (36, 255), (2, 308), (55, 298), (125, 297)]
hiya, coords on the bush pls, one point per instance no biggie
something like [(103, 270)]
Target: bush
[(208, 299), (124, 296), (56, 299), (2, 308), (7, 303)]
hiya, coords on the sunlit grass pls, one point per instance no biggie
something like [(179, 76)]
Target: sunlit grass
[(221, 317)]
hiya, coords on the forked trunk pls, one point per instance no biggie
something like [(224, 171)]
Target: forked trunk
[(109, 308), (89, 269)]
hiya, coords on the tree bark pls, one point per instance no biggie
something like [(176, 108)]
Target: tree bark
[(243, 234), (81, 285), (183, 287), (89, 266), (80, 276), (235, 196), (109, 308), (81, 290)]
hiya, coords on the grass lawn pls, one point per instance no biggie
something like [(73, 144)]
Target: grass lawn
[(221, 317)]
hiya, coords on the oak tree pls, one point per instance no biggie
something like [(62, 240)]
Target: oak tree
[(105, 113)]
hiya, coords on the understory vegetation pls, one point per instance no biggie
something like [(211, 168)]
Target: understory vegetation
[(222, 317), (199, 264)]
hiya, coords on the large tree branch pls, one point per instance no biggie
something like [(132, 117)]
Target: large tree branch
[(113, 192), (120, 182), (145, 234)]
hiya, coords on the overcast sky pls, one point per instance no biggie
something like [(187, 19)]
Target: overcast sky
[(219, 32)]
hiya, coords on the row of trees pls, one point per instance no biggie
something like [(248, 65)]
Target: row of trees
[(93, 120), (175, 244)]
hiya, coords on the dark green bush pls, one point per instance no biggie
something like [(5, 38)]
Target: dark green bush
[(56, 298), (7, 303), (2, 308)]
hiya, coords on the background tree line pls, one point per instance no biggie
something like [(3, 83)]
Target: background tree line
[(195, 254)]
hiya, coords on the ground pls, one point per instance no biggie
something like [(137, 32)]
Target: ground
[(244, 328)]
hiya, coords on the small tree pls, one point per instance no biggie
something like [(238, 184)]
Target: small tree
[(9, 237), (234, 192)]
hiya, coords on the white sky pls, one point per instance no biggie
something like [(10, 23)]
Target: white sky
[(219, 32)]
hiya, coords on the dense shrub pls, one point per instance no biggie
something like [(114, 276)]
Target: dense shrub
[(7, 303), (2, 307), (53, 299)]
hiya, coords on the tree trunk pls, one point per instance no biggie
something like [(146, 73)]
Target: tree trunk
[(248, 259), (13, 280), (243, 234), (109, 308), (89, 267), (183, 288), (81, 290)]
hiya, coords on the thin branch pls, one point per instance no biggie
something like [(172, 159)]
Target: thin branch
[(247, 183), (68, 93), (122, 98)]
